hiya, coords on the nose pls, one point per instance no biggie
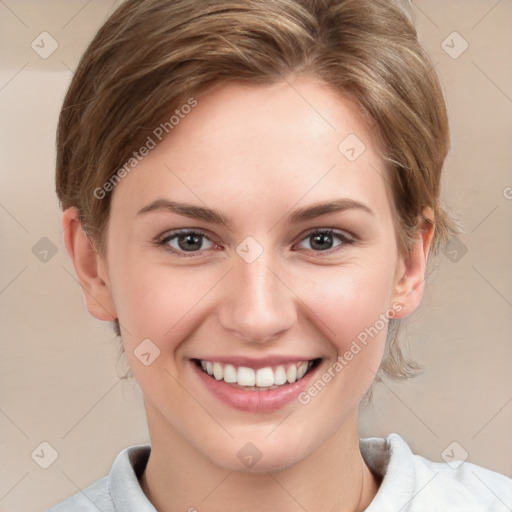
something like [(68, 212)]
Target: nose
[(258, 306)]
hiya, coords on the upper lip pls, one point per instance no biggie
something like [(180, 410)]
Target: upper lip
[(251, 362)]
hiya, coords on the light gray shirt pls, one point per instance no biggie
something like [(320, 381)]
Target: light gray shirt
[(410, 483)]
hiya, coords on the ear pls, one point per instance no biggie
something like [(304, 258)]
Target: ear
[(410, 276), (89, 266)]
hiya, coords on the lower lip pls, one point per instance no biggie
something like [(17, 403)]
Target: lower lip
[(254, 401)]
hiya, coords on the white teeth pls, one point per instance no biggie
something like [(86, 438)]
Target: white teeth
[(260, 379), (279, 376), (291, 374), (301, 370), (264, 377), (229, 373), (245, 376), (217, 371)]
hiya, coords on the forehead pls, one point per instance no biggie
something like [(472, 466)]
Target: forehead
[(267, 144)]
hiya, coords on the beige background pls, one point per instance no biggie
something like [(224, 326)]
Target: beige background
[(58, 366)]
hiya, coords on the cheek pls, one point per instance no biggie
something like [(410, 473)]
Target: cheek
[(350, 301), (352, 309), (158, 302), (161, 305)]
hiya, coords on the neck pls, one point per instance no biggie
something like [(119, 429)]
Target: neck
[(178, 477)]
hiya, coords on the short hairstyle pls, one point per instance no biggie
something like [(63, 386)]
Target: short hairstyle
[(152, 56)]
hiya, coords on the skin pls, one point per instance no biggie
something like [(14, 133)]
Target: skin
[(255, 154)]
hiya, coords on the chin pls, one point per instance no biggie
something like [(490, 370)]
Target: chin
[(269, 464), (258, 456)]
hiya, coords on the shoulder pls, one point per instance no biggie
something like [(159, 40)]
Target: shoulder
[(413, 483), (119, 491), (96, 496)]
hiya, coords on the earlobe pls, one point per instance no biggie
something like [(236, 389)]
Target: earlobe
[(88, 266), (410, 277)]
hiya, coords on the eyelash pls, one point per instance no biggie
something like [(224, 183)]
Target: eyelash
[(165, 239)]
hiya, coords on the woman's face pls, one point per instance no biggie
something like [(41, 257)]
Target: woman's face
[(264, 281)]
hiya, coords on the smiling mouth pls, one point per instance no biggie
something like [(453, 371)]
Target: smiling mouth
[(260, 379)]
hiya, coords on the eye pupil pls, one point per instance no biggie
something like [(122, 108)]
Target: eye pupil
[(192, 242), (323, 241)]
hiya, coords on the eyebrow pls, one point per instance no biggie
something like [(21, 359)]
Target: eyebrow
[(216, 217), (319, 209), (187, 210)]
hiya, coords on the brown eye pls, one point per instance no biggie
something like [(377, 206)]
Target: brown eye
[(180, 242), (324, 240), (190, 242), (321, 241)]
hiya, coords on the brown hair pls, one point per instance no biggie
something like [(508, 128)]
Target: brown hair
[(152, 56)]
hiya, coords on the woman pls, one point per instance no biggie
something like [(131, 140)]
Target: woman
[(251, 194)]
